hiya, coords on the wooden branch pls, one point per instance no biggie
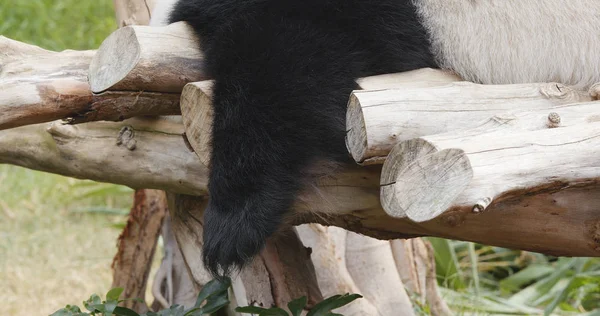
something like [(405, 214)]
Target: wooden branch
[(426, 176), (173, 283), (415, 260), (140, 153), (136, 246), (197, 112), (39, 86), (378, 119), (144, 58), (281, 272), (152, 153), (344, 262), (424, 77)]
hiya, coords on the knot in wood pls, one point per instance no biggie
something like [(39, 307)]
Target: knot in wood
[(126, 137), (555, 91), (553, 120), (594, 91)]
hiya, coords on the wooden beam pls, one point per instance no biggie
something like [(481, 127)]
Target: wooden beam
[(282, 271), (38, 85), (510, 155), (145, 58), (378, 119)]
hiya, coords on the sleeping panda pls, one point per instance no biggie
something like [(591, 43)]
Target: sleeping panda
[(284, 70)]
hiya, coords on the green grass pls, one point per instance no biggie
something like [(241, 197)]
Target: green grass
[(57, 24), (503, 281), (51, 255)]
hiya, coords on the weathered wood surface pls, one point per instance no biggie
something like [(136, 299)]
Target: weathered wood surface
[(152, 153), (345, 261), (145, 58), (38, 85), (510, 155), (139, 152), (137, 245), (197, 115), (378, 119), (281, 272)]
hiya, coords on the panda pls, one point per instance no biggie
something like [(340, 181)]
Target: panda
[(283, 71)]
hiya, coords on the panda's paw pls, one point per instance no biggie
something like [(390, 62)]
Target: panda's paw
[(595, 91)]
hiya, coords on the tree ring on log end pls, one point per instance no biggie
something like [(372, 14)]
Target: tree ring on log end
[(116, 63), (356, 131), (400, 157), (432, 183)]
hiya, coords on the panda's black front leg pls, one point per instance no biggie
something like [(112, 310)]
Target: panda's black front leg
[(280, 94)]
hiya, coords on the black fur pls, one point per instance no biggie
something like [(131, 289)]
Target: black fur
[(283, 72)]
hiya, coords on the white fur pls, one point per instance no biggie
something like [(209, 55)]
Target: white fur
[(516, 41), (161, 12)]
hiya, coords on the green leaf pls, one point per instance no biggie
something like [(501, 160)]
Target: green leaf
[(174, 310), (215, 303), (482, 305), (529, 274), (296, 306), (114, 294), (446, 263), (538, 289), (250, 309), (474, 270), (124, 311), (99, 307), (109, 306), (274, 311), (69, 310), (324, 308), (211, 288), (91, 302)]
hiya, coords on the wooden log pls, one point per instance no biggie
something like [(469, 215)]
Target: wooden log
[(136, 246), (424, 77), (140, 153), (153, 153), (344, 262), (144, 58), (197, 112), (378, 119), (39, 86), (197, 115), (172, 282), (415, 260), (281, 272), (157, 157), (427, 176)]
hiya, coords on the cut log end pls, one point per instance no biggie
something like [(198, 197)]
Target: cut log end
[(356, 136), (420, 182), (399, 159), (121, 53), (197, 114)]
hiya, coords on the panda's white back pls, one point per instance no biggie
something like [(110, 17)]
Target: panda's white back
[(516, 41)]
